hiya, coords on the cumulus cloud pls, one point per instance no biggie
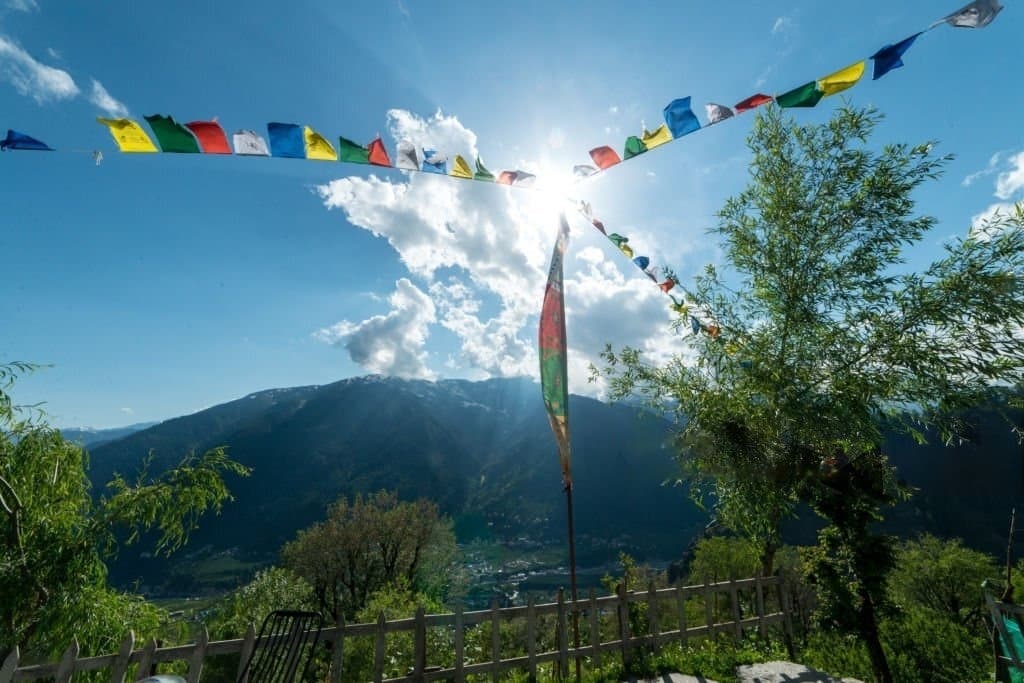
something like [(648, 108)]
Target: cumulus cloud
[(482, 252), (990, 168), (32, 78), (23, 5), (391, 344), (1011, 181), (1009, 188), (105, 101)]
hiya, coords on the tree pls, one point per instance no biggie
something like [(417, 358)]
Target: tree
[(816, 337), (56, 536), (371, 543)]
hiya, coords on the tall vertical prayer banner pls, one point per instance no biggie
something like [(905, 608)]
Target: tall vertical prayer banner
[(554, 373)]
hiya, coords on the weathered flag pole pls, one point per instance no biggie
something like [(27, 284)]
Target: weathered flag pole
[(554, 382)]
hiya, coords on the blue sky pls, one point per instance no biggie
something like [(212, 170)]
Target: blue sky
[(157, 285)]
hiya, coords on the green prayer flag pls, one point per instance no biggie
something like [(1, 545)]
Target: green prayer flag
[(805, 96), (352, 152), (634, 146), (172, 136), (482, 173)]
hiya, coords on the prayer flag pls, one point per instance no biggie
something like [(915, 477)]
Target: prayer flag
[(352, 152), (249, 143), (461, 169), (694, 325), (434, 162), (752, 102), (717, 112), (634, 146), (891, 56), (286, 140), (583, 170), (482, 173), (506, 177), (604, 157), (659, 136), (16, 140), (128, 135), (806, 95), (667, 285), (523, 179), (554, 371), (210, 136), (642, 262), (680, 118), (317, 146), (406, 157), (679, 306), (977, 14), (841, 80), (172, 136), (379, 155)]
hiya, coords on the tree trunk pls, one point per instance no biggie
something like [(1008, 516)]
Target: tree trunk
[(868, 627), (768, 558)]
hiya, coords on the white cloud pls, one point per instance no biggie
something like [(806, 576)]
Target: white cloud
[(391, 344), (127, 411), (105, 101), (1011, 181), (54, 54), (783, 26), (482, 252), (31, 77), (23, 5), (990, 168), (614, 109)]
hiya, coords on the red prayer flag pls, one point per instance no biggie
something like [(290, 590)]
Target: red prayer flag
[(210, 136), (506, 177), (752, 102), (604, 157), (667, 285), (379, 155)]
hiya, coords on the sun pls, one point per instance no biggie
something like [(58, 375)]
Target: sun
[(554, 191)]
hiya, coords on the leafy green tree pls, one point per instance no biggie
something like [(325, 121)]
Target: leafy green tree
[(55, 536), (271, 589), (817, 336), (371, 543)]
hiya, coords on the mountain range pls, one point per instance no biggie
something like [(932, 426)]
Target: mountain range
[(484, 452)]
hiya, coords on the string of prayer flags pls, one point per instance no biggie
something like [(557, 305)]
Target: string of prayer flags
[(551, 340), (752, 102), (210, 136), (378, 154), (406, 157), (16, 140), (352, 152), (841, 80), (891, 56), (172, 136), (434, 162), (128, 135), (806, 95), (605, 157), (622, 243), (461, 169), (520, 178), (977, 14), (717, 113), (680, 118), (250, 143), (317, 146), (482, 173), (286, 140)]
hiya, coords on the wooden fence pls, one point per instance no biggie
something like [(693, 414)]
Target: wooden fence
[(748, 613)]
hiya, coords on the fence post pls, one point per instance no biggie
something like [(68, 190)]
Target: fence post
[(495, 639), (337, 649), (67, 663), (195, 664), (248, 645), (419, 646), (460, 646), (9, 665), (759, 587), (124, 654), (652, 617), (378, 650), (709, 595), (595, 630), (734, 599), (531, 638), (146, 666), (787, 625), (625, 638), (563, 636), (681, 608)]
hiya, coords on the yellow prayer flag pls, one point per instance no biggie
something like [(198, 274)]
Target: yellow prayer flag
[(317, 146), (461, 169), (626, 249), (659, 136), (128, 135), (842, 79)]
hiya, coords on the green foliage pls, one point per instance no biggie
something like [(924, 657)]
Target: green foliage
[(55, 536), (271, 589), (370, 544), (719, 558)]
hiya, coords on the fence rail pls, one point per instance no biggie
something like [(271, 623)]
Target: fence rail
[(588, 611)]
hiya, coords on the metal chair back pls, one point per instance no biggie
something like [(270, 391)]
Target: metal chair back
[(281, 654)]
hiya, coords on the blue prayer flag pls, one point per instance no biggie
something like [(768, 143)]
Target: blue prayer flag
[(680, 118), (889, 57), (286, 140), (434, 162), (642, 262), (16, 140), (695, 325)]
